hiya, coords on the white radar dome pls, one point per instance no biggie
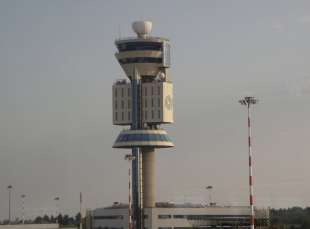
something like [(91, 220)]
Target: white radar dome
[(142, 28)]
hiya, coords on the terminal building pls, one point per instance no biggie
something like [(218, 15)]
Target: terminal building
[(144, 102), (180, 216)]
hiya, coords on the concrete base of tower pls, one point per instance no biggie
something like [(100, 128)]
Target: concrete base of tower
[(148, 161)]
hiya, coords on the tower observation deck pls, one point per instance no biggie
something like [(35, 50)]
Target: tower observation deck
[(143, 101)]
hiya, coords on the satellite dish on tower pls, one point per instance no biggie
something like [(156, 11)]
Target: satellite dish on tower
[(142, 28), (161, 76)]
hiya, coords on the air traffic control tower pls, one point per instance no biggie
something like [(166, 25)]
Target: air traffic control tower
[(143, 103)]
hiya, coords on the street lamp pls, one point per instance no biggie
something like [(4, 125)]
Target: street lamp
[(129, 158), (57, 207), (23, 207), (248, 101), (209, 188), (10, 187), (81, 200)]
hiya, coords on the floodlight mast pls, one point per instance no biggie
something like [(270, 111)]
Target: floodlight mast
[(10, 187), (248, 101), (23, 196), (209, 188)]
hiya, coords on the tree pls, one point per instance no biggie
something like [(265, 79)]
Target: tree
[(46, 219), (65, 220), (38, 220), (60, 219), (78, 218)]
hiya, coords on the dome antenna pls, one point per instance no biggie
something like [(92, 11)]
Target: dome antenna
[(142, 28)]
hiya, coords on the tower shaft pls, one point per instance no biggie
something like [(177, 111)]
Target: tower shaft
[(148, 184)]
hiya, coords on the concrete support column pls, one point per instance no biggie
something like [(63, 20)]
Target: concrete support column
[(148, 160)]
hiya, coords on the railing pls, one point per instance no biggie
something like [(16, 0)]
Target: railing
[(144, 38)]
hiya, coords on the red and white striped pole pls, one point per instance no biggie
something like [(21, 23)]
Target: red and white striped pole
[(247, 101), (129, 201), (129, 158)]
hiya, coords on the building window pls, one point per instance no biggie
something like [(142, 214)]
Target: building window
[(115, 116), (152, 90), (108, 217), (158, 90), (129, 92), (159, 114), (183, 227), (179, 216), (145, 91), (115, 104), (152, 102), (158, 102), (122, 104), (145, 115), (164, 216), (145, 102), (122, 116), (115, 92), (128, 115), (152, 114), (122, 92), (129, 104)]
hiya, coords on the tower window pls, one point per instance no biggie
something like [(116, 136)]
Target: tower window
[(129, 104), (122, 104), (128, 115), (152, 114), (145, 91), (128, 92), (122, 116), (140, 60), (158, 102), (145, 102), (152, 102), (159, 114), (122, 92), (145, 115), (147, 45), (116, 116), (115, 104)]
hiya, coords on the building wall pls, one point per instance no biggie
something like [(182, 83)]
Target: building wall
[(116, 218), (30, 226), (156, 102), (178, 218), (122, 103), (155, 107)]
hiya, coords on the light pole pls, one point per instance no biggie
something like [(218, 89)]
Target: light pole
[(23, 207), (129, 158), (248, 101), (10, 187), (81, 201), (57, 207), (209, 188)]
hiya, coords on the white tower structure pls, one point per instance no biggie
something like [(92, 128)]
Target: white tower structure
[(143, 103)]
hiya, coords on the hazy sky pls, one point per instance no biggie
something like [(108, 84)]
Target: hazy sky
[(57, 67)]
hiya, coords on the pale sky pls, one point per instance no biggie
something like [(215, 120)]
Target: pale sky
[(57, 67)]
